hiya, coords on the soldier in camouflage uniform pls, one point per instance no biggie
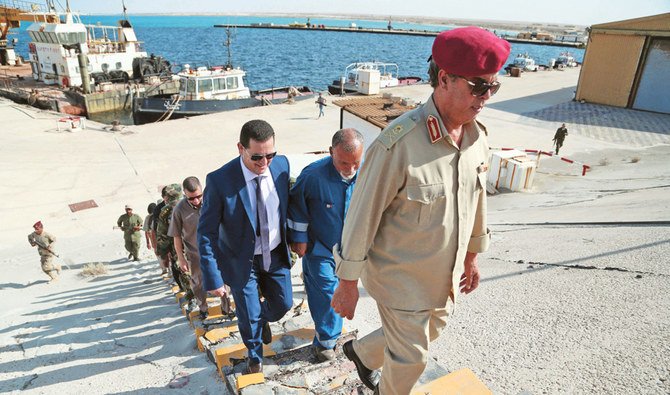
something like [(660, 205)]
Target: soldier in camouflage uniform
[(131, 224), (165, 244), (45, 243)]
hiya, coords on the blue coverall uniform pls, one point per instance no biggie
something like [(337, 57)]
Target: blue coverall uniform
[(318, 204)]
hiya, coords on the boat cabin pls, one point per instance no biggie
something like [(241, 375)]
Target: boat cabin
[(525, 62), (388, 73), (55, 46), (215, 83)]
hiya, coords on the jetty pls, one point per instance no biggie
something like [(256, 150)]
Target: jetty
[(394, 31)]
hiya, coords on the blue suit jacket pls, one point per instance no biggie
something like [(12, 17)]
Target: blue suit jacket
[(227, 227)]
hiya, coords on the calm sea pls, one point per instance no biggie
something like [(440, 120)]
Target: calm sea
[(274, 58)]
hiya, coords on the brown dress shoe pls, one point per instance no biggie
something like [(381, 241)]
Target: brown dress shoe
[(266, 335), (254, 367)]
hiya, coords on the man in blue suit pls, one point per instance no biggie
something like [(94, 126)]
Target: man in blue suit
[(242, 236)]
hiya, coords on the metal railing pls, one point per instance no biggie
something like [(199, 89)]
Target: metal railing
[(26, 6)]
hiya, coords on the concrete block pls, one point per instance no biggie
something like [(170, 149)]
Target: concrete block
[(289, 391), (246, 380), (462, 381), (199, 332), (218, 334), (257, 390)]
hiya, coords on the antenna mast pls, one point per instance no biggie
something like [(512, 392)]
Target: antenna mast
[(227, 43)]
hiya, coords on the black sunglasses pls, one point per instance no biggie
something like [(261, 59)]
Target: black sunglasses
[(480, 87), (190, 199), (258, 157)]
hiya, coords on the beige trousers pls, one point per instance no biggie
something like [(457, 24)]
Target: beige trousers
[(400, 346)]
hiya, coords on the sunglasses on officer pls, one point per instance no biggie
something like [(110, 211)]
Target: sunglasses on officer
[(479, 87), (257, 157)]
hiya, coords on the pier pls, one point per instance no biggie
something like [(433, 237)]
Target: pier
[(401, 32)]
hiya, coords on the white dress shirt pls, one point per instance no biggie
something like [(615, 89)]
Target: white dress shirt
[(269, 192)]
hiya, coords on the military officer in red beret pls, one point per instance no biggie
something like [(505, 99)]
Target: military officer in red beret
[(417, 218)]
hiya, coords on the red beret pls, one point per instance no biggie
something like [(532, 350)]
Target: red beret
[(37, 224), (470, 51)]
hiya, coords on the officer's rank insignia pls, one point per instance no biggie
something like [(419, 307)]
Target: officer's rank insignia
[(433, 129)]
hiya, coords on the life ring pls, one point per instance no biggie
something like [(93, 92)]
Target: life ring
[(66, 82)]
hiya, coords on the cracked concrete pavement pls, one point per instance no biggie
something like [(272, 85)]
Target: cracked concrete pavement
[(538, 324)]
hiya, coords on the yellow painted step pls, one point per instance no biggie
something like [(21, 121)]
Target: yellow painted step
[(199, 332), (218, 334), (246, 380), (460, 382), (239, 351)]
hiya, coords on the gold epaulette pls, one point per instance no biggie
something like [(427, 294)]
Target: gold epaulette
[(397, 129)]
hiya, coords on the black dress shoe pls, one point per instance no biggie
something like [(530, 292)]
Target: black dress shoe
[(254, 367), (266, 335), (369, 377)]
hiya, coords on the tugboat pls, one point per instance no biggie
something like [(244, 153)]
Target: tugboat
[(350, 80), (565, 59), (523, 62), (205, 90)]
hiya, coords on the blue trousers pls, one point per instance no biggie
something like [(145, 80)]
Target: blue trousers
[(320, 283), (275, 286)]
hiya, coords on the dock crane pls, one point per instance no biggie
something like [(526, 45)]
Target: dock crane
[(12, 13)]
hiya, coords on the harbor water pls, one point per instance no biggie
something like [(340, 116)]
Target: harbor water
[(275, 58)]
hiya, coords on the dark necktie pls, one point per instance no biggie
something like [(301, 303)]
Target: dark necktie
[(262, 227)]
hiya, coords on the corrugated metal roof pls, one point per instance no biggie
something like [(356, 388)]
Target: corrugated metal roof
[(377, 110)]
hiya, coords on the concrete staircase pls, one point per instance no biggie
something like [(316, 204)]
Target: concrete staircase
[(289, 365)]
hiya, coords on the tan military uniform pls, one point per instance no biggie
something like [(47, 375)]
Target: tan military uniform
[(419, 206), (131, 237), (45, 242)]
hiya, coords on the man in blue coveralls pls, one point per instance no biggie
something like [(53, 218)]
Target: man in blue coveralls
[(318, 204)]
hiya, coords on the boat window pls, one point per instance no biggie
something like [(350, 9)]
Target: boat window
[(62, 69), (118, 65), (104, 67), (205, 85), (232, 82), (220, 84), (191, 86)]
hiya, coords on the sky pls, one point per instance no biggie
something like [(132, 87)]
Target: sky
[(574, 12)]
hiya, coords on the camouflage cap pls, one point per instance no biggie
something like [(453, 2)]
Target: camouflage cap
[(173, 192)]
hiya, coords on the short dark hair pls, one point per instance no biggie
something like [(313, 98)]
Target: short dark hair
[(164, 191), (151, 208), (433, 72), (256, 129), (348, 138), (191, 184)]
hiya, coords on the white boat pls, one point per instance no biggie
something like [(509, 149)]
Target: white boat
[(59, 50), (205, 90), (565, 59), (350, 81), (524, 62)]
